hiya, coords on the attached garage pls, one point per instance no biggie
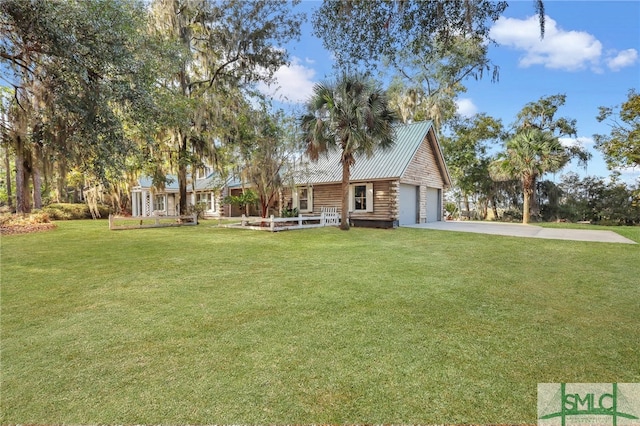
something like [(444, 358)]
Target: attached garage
[(434, 204), (408, 206), (400, 186)]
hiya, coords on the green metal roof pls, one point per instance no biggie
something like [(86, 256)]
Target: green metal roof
[(384, 164), (211, 182)]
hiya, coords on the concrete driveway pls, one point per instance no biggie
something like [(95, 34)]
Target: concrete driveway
[(530, 231)]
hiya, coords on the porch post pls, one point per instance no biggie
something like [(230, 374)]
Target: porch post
[(146, 203), (133, 204)]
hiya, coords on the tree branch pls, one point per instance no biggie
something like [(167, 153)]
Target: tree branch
[(15, 59)]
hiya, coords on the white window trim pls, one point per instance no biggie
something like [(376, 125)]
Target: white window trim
[(296, 200), (212, 200), (369, 199), (203, 172), (164, 202)]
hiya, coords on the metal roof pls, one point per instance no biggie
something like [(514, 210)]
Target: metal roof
[(384, 164), (211, 182)]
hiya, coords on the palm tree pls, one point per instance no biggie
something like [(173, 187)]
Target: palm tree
[(351, 114), (530, 153)]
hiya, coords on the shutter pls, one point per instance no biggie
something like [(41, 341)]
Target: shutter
[(310, 199), (351, 203), (294, 203), (369, 197)]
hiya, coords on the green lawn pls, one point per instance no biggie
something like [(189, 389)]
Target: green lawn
[(210, 325)]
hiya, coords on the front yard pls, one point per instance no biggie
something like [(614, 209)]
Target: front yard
[(210, 325)]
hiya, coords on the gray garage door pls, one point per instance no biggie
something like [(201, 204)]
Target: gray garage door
[(434, 205), (408, 204)]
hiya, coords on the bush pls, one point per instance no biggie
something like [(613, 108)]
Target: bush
[(25, 223), (198, 208), (68, 211), (511, 215), (289, 212), (24, 219), (247, 198)]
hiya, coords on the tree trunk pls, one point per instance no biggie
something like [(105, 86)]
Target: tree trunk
[(494, 206), (344, 223), (466, 206), (484, 208), (526, 215), (264, 206), (23, 195), (19, 176), (7, 166), (62, 196), (182, 174), (527, 189), (37, 183)]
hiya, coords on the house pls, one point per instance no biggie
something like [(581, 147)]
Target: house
[(147, 200), (400, 186)]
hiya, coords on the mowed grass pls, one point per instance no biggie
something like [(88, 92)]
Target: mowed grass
[(206, 325)]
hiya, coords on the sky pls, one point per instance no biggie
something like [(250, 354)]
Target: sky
[(590, 53)]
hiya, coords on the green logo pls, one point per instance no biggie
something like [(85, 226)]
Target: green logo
[(616, 404)]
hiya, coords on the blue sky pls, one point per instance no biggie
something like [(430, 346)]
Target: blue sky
[(590, 53)]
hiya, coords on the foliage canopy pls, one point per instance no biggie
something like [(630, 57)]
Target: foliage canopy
[(621, 147)]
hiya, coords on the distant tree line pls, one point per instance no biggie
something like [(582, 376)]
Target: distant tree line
[(506, 171)]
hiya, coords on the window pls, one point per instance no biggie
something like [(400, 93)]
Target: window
[(206, 199), (303, 199), (159, 203), (203, 172), (361, 197)]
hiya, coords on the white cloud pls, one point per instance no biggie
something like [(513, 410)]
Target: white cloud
[(559, 49), (293, 83), (629, 175), (633, 171), (582, 141), (465, 107), (623, 59)]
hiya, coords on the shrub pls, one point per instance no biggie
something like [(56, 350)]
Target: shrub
[(25, 223), (68, 211), (247, 198), (289, 212), (198, 208), (24, 219), (511, 215)]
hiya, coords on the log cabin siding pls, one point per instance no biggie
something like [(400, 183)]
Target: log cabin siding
[(423, 170), (385, 200), (384, 203)]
